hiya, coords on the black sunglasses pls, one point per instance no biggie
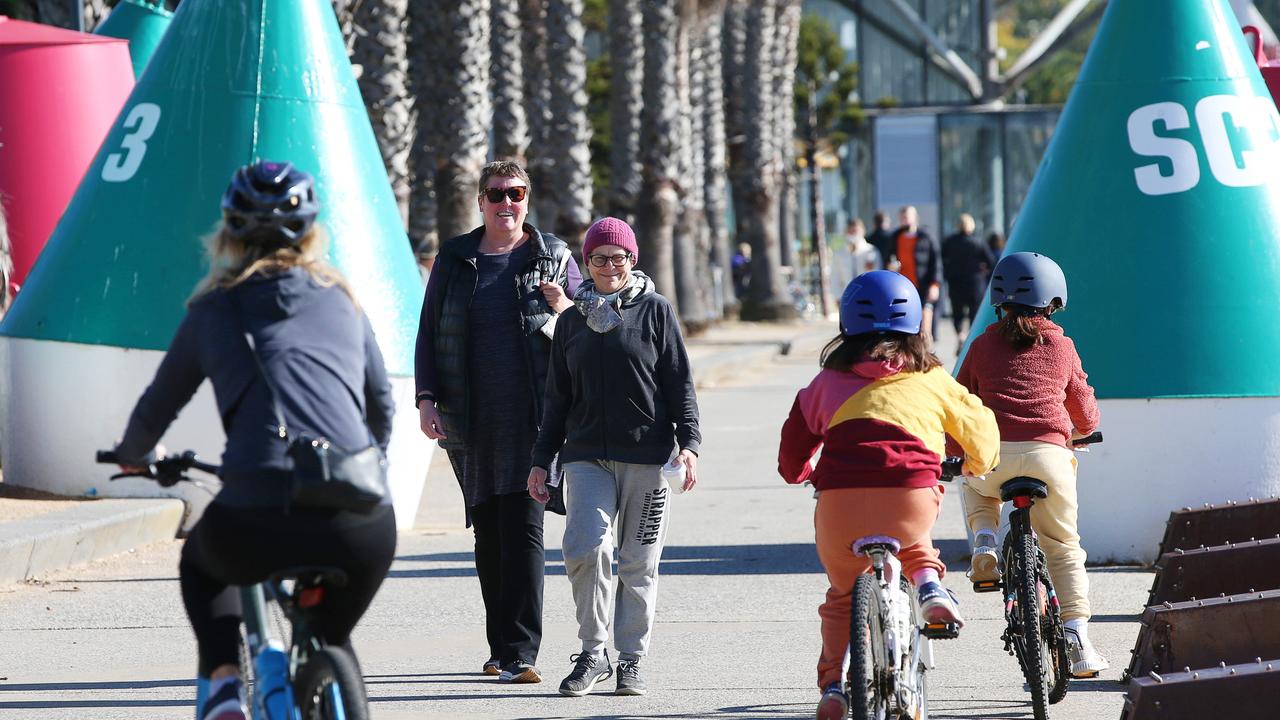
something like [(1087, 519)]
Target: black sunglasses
[(495, 195)]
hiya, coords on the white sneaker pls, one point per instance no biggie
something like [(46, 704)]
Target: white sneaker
[(1086, 661), (984, 566)]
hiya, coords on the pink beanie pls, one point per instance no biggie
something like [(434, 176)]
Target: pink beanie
[(610, 231)]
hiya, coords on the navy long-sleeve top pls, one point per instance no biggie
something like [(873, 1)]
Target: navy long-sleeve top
[(324, 363)]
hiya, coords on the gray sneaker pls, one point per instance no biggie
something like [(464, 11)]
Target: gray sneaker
[(629, 680), (587, 670)]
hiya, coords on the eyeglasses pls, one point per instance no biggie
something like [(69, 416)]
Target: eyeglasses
[(602, 260), (495, 195)]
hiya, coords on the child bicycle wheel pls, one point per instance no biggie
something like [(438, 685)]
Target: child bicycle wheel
[(329, 686), (869, 693), (1031, 649)]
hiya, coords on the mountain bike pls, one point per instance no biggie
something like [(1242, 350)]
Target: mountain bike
[(1034, 632), (890, 644), (305, 680)]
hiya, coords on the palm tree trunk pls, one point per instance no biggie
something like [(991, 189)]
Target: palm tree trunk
[(423, 29), (817, 218), (659, 203), (715, 161), (570, 137), (766, 297), (510, 124), (537, 96), (625, 99), (688, 247), (375, 35), (785, 51), (461, 103)]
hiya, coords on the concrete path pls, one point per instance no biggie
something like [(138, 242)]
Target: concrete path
[(737, 632)]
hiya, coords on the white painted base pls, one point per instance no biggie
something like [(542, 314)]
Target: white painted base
[(64, 401), (1162, 455)]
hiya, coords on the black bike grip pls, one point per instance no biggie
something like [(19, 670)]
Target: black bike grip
[(108, 457), (1095, 437)]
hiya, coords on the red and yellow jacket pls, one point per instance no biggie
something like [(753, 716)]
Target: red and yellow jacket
[(879, 427)]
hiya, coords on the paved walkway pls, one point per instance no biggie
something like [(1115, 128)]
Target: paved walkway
[(736, 635)]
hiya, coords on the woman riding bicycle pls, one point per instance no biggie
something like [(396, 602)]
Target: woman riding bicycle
[(268, 278), (879, 410), (1027, 370)]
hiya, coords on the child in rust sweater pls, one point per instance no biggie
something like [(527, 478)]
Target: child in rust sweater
[(880, 410), (1027, 370)]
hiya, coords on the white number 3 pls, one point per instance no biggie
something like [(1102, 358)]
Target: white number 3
[(142, 121)]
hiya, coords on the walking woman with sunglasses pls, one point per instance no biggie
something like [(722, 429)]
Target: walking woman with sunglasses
[(483, 345), (620, 404)]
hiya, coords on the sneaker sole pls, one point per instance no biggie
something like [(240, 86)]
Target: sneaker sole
[(491, 670), (1086, 675), (630, 691), (528, 677), (832, 709)]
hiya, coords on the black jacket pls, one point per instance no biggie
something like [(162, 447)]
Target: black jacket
[(440, 362), (625, 395), (967, 262), (323, 360)]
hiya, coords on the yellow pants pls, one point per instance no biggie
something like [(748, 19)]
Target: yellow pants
[(1053, 518)]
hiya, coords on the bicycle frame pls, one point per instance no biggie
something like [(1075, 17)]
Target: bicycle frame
[(904, 646)]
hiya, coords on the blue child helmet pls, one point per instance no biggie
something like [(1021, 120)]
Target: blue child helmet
[(1030, 279), (880, 301), (270, 203)]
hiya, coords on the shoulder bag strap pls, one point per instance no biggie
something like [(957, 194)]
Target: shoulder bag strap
[(281, 427)]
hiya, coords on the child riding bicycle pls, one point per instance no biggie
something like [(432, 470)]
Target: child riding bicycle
[(879, 410), (1027, 370), (269, 280)]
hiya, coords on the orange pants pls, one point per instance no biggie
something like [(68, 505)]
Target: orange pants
[(843, 516)]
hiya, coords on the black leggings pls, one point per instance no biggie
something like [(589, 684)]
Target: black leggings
[(241, 546)]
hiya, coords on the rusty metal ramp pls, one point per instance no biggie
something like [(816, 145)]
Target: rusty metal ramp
[(1247, 691), (1198, 634), (1230, 522), (1244, 567)]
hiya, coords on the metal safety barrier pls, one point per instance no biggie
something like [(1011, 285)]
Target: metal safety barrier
[(1221, 524), (1198, 634), (1209, 572), (1246, 691)]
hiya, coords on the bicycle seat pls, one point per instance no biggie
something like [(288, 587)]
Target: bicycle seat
[(1023, 486), (866, 545)]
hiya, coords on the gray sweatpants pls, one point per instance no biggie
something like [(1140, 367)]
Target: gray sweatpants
[(624, 504)]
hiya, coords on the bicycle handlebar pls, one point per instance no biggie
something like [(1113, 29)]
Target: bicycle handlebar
[(168, 471), (952, 466)]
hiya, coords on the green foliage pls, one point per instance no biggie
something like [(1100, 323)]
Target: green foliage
[(824, 83), (595, 16), (1018, 24)]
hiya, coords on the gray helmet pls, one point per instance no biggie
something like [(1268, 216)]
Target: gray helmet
[(1030, 279)]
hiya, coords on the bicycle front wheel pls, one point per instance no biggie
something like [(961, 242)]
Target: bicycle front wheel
[(868, 665), (1029, 641), (330, 686)]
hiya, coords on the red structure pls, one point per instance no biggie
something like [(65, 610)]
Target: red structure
[(60, 92), (1270, 68)]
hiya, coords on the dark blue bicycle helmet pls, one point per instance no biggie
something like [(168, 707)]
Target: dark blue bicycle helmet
[(880, 301), (270, 202), (1030, 279)]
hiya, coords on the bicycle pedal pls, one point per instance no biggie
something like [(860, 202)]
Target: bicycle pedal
[(940, 631), (986, 586)]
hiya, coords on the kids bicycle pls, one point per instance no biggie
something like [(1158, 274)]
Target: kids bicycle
[(890, 644), (1034, 632), (306, 680)]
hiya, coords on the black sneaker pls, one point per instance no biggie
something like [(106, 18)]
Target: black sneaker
[(520, 672), (588, 670), (629, 680)]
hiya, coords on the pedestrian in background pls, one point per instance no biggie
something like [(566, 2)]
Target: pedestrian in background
[(483, 344), (881, 238), (855, 256), (920, 262), (996, 243), (620, 404), (966, 265), (6, 265)]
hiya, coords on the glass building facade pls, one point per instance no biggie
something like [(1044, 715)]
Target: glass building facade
[(924, 142)]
